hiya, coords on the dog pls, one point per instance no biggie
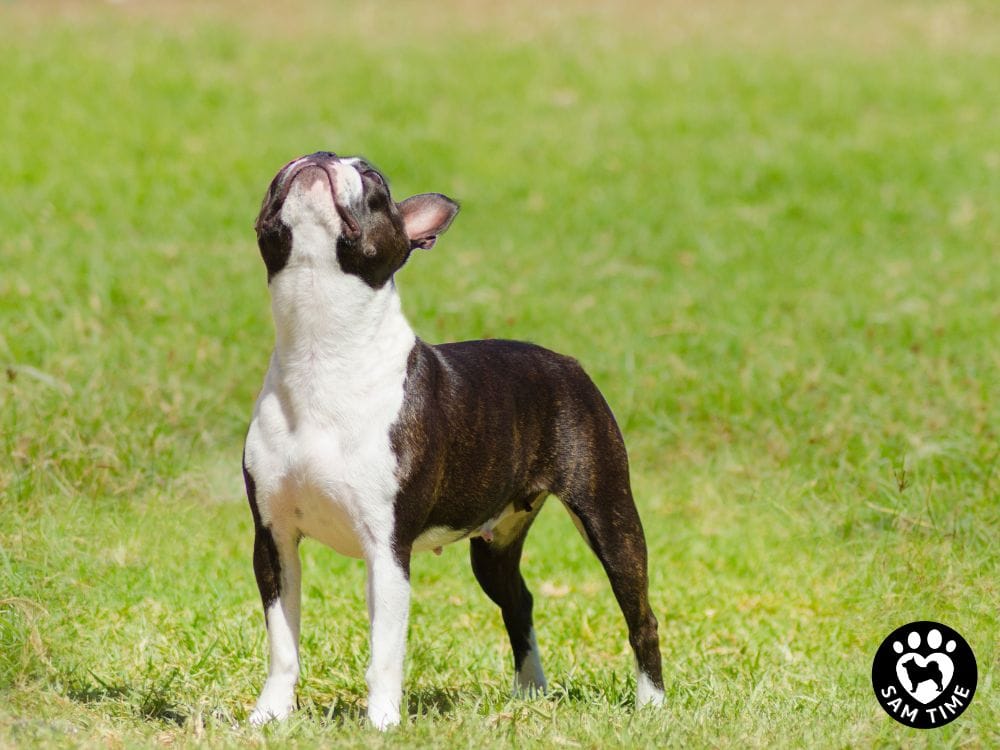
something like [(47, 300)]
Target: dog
[(917, 674), (379, 445)]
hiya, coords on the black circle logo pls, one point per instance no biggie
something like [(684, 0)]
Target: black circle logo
[(924, 675)]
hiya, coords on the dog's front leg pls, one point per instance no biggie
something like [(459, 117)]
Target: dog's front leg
[(278, 570), (388, 593)]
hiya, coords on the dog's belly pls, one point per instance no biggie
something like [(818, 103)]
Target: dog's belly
[(498, 529), (435, 537), (438, 536)]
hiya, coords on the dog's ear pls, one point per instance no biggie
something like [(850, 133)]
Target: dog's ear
[(425, 216)]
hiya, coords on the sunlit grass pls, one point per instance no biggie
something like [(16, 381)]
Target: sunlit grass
[(771, 236)]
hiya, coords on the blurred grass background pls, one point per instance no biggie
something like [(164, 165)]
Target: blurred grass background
[(770, 231)]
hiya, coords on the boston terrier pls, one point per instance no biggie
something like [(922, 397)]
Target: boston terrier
[(380, 445)]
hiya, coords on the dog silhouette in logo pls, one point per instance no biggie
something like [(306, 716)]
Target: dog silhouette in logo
[(917, 674)]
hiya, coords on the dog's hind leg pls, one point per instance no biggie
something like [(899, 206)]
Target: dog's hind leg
[(614, 533), (599, 498), (496, 565)]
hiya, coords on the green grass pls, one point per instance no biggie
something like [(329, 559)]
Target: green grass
[(771, 233)]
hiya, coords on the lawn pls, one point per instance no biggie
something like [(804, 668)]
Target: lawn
[(770, 231)]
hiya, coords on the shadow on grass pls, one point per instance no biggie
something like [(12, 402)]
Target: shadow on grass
[(148, 702), (425, 701), (433, 700), (611, 689), (438, 701)]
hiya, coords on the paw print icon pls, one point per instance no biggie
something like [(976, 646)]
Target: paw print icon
[(924, 674)]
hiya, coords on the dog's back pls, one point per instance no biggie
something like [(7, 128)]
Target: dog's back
[(491, 422)]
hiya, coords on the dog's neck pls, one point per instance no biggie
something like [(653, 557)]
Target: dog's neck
[(337, 340)]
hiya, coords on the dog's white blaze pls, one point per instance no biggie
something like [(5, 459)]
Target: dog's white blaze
[(530, 679), (319, 444), (352, 161), (646, 693)]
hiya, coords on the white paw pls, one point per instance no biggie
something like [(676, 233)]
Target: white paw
[(528, 689), (383, 714), (646, 693), (273, 705), (529, 680)]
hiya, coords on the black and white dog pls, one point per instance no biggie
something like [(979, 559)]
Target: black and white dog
[(380, 445)]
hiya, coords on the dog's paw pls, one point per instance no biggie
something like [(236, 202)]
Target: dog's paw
[(261, 715), (273, 705), (529, 688), (383, 714), (646, 693), (529, 679)]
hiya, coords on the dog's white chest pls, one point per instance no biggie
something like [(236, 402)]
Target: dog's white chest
[(319, 445), (334, 483)]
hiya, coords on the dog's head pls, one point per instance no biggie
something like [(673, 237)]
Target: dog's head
[(325, 208)]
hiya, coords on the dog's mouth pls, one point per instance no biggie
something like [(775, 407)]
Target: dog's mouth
[(325, 161)]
